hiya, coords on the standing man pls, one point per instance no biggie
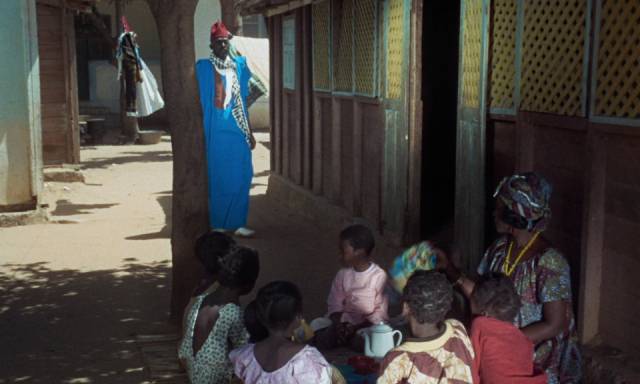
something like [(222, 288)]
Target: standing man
[(224, 87)]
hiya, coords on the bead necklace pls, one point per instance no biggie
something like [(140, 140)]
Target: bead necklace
[(507, 267)]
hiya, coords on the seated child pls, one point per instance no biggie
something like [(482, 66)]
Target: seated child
[(214, 323), (209, 248), (503, 353), (439, 350), (357, 298), (276, 358)]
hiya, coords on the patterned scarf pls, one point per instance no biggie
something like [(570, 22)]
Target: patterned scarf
[(528, 195), (256, 87), (238, 112)]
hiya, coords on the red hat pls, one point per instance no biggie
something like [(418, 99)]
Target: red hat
[(125, 24), (220, 31)]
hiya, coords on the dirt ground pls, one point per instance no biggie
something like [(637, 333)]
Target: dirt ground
[(75, 292)]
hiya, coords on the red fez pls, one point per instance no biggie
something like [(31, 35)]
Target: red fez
[(219, 31), (125, 24)]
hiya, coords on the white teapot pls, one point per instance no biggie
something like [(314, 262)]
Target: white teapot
[(379, 339)]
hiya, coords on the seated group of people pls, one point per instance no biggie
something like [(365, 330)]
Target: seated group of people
[(522, 329)]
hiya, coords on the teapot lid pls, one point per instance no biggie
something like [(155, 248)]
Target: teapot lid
[(381, 328)]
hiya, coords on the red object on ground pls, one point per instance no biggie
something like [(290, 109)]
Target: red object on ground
[(363, 365)]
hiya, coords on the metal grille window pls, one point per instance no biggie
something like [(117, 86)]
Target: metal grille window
[(503, 54), (553, 56), (616, 88), (365, 31), (395, 49), (321, 24), (345, 38), (343, 49), (472, 53)]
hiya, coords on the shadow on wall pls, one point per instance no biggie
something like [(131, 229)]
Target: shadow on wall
[(67, 326)]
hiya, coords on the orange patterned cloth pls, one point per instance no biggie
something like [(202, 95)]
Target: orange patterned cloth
[(447, 359)]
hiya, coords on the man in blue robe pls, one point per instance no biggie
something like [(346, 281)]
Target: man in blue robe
[(224, 87)]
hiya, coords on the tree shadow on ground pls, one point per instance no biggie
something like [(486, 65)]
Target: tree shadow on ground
[(164, 199), (133, 157), (263, 173), (67, 208), (68, 326)]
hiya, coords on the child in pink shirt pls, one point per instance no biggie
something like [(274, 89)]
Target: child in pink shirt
[(356, 299)]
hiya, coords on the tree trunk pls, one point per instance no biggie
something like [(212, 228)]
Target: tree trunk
[(175, 20), (230, 17)]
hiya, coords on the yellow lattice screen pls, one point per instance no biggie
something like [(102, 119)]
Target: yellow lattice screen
[(395, 48), (618, 75), (321, 45), (343, 52), (365, 40), (503, 54), (553, 56), (471, 56)]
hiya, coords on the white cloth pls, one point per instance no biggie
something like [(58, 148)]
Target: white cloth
[(307, 367), (230, 78), (149, 99)]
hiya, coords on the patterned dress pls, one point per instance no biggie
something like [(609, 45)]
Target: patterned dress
[(543, 278), (447, 359), (211, 364)]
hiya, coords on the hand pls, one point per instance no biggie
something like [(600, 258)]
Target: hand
[(345, 332), (252, 142), (442, 260)]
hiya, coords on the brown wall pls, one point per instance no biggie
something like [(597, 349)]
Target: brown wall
[(331, 145), (58, 85), (618, 173), (596, 210)]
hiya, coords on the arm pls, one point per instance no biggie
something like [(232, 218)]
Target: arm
[(454, 275), (336, 298), (554, 292), (551, 325), (238, 335), (381, 302)]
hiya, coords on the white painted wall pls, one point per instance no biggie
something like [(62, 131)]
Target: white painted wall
[(142, 22), (207, 13), (20, 145)]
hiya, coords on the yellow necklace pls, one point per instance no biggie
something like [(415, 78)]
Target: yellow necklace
[(507, 267)]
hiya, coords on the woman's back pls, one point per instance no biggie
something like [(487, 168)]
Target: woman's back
[(205, 353)]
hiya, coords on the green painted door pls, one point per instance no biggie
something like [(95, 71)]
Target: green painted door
[(471, 127), (395, 102)]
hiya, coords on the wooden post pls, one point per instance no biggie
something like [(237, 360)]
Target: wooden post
[(593, 238), (128, 125)]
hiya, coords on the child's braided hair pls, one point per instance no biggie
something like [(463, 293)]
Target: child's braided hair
[(239, 267), (277, 304), (211, 247), (429, 296)]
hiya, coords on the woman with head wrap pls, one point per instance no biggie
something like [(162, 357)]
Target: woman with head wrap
[(539, 272)]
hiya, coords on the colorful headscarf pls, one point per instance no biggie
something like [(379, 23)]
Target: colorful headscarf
[(528, 195), (419, 257)]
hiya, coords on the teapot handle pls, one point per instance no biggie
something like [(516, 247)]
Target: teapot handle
[(399, 337)]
